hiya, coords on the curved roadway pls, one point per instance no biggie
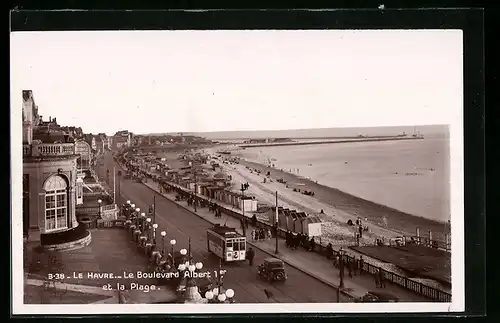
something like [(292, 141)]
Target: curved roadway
[(181, 224)]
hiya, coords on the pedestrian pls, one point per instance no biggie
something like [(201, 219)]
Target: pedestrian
[(361, 263), (269, 234), (377, 278), (360, 231), (250, 255), (329, 251), (349, 267), (253, 235), (312, 244), (381, 279)]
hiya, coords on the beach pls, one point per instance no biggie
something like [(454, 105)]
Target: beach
[(421, 189), (393, 187)]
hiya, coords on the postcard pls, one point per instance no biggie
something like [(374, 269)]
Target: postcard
[(229, 171)]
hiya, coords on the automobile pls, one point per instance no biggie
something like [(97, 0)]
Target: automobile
[(378, 297), (272, 269)]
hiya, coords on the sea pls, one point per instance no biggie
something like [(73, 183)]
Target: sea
[(412, 176)]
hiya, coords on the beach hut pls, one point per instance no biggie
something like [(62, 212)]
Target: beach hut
[(297, 225), (311, 225)]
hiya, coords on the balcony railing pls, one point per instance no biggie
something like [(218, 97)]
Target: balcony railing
[(49, 149)]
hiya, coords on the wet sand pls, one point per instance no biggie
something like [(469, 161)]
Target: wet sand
[(374, 212)]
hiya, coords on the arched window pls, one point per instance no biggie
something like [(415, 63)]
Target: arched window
[(56, 203)]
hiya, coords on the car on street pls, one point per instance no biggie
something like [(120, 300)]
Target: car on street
[(378, 297), (272, 269)]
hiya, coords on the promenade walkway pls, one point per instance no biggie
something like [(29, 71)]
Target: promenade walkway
[(311, 263), (111, 251)]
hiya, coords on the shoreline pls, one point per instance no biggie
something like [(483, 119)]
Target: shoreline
[(358, 207)]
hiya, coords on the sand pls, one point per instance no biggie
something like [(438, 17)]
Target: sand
[(339, 206)]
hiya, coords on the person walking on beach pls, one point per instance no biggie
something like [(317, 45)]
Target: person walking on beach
[(250, 256)]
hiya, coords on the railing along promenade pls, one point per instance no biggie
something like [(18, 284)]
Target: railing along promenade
[(414, 286), (62, 149)]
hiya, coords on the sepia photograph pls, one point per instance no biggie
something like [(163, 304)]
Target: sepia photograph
[(237, 171)]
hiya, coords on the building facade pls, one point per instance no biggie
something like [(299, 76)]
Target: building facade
[(49, 182)]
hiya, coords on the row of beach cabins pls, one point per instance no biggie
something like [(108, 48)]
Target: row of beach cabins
[(197, 173)]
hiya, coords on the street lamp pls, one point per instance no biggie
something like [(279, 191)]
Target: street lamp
[(155, 226), (128, 201), (193, 170), (99, 201), (143, 224), (119, 188), (148, 225), (172, 243), (341, 266), (163, 234), (214, 296)]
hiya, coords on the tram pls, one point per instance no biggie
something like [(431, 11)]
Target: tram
[(226, 243)]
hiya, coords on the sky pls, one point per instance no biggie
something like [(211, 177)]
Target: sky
[(200, 81)]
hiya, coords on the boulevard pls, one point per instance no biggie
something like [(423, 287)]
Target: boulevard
[(181, 224)]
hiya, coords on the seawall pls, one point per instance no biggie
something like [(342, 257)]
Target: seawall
[(329, 142)]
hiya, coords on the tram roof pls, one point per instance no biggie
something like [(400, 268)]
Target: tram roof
[(224, 231)]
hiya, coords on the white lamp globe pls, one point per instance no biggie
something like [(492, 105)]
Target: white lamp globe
[(183, 252), (148, 219), (191, 267), (229, 293), (173, 242), (209, 295), (155, 226), (182, 267), (132, 205), (137, 210), (215, 291), (99, 201), (143, 214), (222, 297), (128, 201), (163, 233), (199, 265)]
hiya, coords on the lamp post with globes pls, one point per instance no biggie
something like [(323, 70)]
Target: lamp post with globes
[(172, 244), (163, 234), (143, 218), (99, 202), (155, 226), (148, 228), (217, 296)]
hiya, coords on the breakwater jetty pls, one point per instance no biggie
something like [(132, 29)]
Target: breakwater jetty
[(337, 141)]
